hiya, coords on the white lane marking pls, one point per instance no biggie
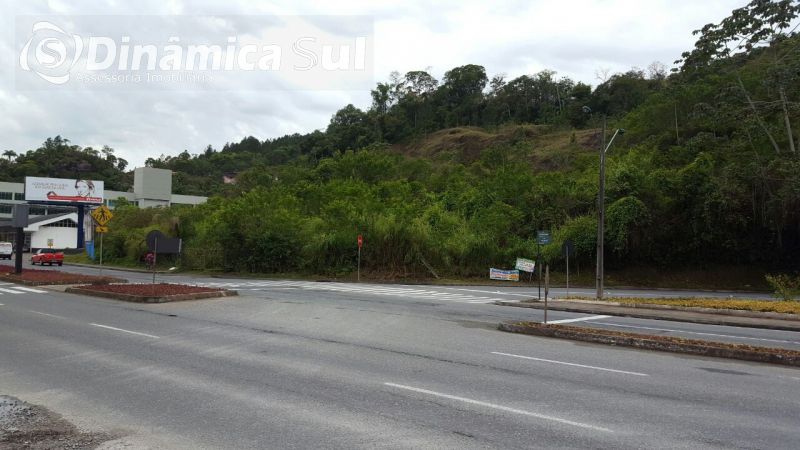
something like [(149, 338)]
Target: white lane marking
[(696, 332), (492, 292), (124, 331), (2, 304), (9, 291), (571, 364), (38, 291), (578, 319), (46, 314), (500, 407)]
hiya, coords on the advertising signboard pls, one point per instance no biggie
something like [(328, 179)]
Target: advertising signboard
[(506, 275), (63, 190)]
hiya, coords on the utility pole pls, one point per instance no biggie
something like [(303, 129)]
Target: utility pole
[(601, 215), (601, 208), (601, 203)]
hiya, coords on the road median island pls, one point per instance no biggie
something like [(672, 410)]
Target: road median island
[(708, 316), (33, 277), (151, 293), (659, 343)]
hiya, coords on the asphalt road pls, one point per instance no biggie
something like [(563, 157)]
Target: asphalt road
[(329, 365), (488, 294)]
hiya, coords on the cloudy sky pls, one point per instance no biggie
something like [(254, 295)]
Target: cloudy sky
[(576, 38)]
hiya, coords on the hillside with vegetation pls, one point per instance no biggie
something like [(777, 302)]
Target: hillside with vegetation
[(454, 176)]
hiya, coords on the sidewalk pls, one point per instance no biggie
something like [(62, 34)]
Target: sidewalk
[(734, 318)]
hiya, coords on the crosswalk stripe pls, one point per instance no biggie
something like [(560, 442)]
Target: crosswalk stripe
[(38, 291), (9, 291), (409, 291)]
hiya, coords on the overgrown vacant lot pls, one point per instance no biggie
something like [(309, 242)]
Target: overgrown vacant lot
[(43, 277), (786, 307)]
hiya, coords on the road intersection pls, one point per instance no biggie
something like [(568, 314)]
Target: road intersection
[(298, 364)]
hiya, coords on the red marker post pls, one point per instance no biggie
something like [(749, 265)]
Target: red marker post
[(360, 244)]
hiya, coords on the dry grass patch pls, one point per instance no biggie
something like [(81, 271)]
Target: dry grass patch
[(785, 307)]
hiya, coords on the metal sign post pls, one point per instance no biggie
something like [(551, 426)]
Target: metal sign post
[(567, 274), (539, 263), (358, 270), (102, 216), (155, 260), (101, 253), (546, 291), (568, 248), (542, 238)]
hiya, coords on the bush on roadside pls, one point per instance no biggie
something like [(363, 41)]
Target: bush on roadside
[(786, 287)]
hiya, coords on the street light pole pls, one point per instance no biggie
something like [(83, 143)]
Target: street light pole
[(601, 210), (601, 216)]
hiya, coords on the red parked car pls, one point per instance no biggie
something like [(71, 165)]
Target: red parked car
[(47, 256)]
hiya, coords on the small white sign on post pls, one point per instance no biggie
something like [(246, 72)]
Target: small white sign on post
[(525, 265)]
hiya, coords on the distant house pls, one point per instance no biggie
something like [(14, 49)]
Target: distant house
[(229, 177)]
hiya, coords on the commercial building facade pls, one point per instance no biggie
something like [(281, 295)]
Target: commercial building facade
[(55, 225)]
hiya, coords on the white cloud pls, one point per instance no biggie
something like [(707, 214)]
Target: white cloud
[(573, 37)]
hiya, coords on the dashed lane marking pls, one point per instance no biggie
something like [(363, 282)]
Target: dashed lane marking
[(123, 331), (531, 358), (500, 407), (577, 319), (46, 314)]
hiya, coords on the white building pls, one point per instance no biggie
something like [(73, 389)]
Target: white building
[(57, 224)]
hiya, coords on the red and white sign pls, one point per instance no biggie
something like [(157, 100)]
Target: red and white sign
[(360, 241), (63, 190)]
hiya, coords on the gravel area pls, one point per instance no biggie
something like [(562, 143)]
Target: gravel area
[(26, 426)]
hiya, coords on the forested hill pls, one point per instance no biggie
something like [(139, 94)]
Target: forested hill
[(458, 174)]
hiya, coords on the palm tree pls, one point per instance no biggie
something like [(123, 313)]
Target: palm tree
[(10, 154)]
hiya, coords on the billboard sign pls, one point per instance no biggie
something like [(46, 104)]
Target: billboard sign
[(506, 275), (63, 190)]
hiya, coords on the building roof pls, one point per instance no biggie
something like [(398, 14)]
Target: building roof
[(51, 218), (35, 224), (43, 220)]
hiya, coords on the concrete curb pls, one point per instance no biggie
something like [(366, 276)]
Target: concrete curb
[(151, 299), (658, 343), (689, 316)]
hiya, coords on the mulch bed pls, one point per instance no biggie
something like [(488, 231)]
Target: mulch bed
[(151, 293), (661, 343), (34, 277)]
